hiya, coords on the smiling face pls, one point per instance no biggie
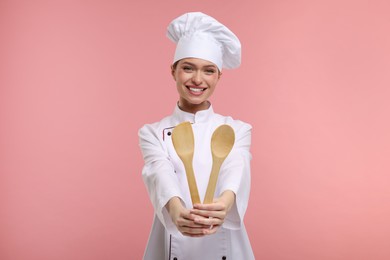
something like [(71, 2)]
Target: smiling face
[(196, 80)]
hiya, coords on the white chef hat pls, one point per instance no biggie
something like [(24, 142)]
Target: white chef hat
[(198, 35)]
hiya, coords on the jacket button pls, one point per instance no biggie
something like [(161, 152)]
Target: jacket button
[(169, 134), (223, 257), (175, 258)]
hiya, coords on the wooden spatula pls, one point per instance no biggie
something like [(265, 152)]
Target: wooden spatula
[(183, 141), (222, 142)]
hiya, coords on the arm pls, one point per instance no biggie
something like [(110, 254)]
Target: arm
[(234, 185), (163, 187), (158, 174)]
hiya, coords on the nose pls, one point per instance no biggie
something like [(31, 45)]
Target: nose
[(197, 78)]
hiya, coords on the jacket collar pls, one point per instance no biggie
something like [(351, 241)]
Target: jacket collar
[(198, 117)]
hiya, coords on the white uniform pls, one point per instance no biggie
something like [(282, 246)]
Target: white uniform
[(165, 177)]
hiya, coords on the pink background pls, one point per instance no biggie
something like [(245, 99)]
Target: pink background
[(79, 78)]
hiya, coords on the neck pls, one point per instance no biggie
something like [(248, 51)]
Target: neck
[(193, 108)]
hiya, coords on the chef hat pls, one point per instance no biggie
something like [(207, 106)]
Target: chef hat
[(198, 35)]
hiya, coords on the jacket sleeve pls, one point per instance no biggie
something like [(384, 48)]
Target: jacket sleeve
[(235, 176), (158, 174)]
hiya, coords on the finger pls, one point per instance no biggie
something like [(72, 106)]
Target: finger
[(211, 206), (209, 213), (189, 223), (188, 216), (211, 230), (192, 231), (203, 213), (209, 221)]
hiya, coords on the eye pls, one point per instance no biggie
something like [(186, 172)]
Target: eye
[(187, 68), (210, 71)]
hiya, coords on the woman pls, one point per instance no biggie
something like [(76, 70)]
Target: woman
[(201, 231)]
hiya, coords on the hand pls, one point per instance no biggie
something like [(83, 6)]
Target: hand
[(184, 219), (213, 215)]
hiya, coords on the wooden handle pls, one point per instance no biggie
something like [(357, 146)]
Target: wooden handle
[(191, 182), (209, 197)]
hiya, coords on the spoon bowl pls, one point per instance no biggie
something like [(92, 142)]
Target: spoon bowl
[(222, 141)]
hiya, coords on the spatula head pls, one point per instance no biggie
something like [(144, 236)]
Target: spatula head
[(183, 139), (222, 141)]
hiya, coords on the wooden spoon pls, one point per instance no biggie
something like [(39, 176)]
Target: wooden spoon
[(222, 142), (183, 141)]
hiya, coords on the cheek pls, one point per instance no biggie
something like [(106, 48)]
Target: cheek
[(214, 82), (180, 78)]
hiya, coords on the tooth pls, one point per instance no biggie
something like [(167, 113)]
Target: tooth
[(196, 89)]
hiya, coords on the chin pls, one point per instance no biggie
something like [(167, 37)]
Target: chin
[(197, 103)]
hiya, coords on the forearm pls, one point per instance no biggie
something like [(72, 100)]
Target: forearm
[(173, 205), (228, 198)]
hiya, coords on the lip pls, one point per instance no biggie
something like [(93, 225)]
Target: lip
[(195, 93)]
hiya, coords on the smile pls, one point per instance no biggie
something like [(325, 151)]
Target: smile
[(196, 90)]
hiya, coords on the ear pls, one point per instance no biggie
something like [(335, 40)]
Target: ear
[(173, 72)]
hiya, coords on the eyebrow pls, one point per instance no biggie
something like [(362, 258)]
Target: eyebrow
[(205, 66)]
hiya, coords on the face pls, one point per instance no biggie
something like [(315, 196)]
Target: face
[(196, 80)]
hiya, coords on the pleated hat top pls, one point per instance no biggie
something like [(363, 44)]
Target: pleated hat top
[(198, 35)]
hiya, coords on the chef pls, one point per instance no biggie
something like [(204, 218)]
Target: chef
[(181, 230)]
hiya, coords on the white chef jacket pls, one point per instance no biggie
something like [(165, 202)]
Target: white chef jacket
[(164, 176)]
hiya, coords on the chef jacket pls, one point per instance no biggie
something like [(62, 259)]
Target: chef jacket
[(164, 176)]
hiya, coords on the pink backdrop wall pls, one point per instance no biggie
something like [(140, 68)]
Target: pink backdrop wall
[(78, 78)]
